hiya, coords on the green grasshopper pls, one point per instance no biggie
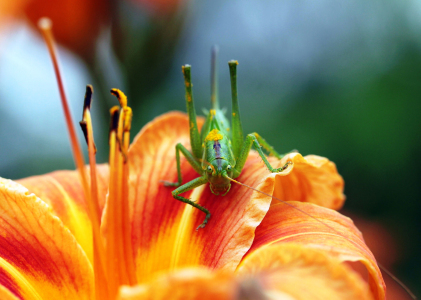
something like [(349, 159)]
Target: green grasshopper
[(221, 150)]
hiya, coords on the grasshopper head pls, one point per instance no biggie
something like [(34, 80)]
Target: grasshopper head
[(217, 171)]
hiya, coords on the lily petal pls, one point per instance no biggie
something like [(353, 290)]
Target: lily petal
[(284, 223), (285, 271), (312, 178), (303, 273), (39, 257), (63, 191), (5, 294), (163, 228), (188, 284), (8, 288)]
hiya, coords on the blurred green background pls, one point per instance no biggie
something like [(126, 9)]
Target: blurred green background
[(337, 79)]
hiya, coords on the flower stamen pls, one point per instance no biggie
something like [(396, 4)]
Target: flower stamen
[(123, 136), (87, 106), (111, 215), (86, 124)]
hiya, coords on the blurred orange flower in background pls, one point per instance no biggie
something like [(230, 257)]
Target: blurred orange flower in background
[(77, 22)]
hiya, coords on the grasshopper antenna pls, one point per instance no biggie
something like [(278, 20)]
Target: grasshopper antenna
[(214, 77), (400, 283)]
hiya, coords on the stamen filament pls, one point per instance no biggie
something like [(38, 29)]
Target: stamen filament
[(127, 234), (101, 286), (122, 266), (110, 217), (125, 251), (46, 29)]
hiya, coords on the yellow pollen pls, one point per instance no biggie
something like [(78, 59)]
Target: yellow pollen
[(233, 114), (191, 125), (214, 135)]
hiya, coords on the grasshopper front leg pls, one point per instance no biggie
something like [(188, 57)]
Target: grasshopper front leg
[(187, 187), (251, 140), (190, 158)]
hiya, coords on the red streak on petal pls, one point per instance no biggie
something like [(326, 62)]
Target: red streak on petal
[(9, 283)]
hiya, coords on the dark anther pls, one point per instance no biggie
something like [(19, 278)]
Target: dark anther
[(115, 114), (88, 98)]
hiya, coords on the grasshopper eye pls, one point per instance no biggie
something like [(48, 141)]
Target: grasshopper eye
[(229, 168), (209, 169)]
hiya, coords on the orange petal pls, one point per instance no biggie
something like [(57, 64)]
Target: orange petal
[(62, 190), (163, 229), (296, 272), (312, 179), (186, 284), (39, 257), (5, 294), (9, 290), (287, 224)]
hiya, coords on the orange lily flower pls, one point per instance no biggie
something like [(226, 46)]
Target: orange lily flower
[(39, 256), (54, 246)]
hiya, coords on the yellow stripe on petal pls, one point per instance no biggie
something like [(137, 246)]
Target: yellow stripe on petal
[(183, 233), (37, 250), (20, 284), (303, 273)]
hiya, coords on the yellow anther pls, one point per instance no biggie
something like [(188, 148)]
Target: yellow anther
[(122, 99), (114, 109), (214, 135), (127, 111), (233, 114)]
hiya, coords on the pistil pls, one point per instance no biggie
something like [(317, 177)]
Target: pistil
[(45, 26)]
